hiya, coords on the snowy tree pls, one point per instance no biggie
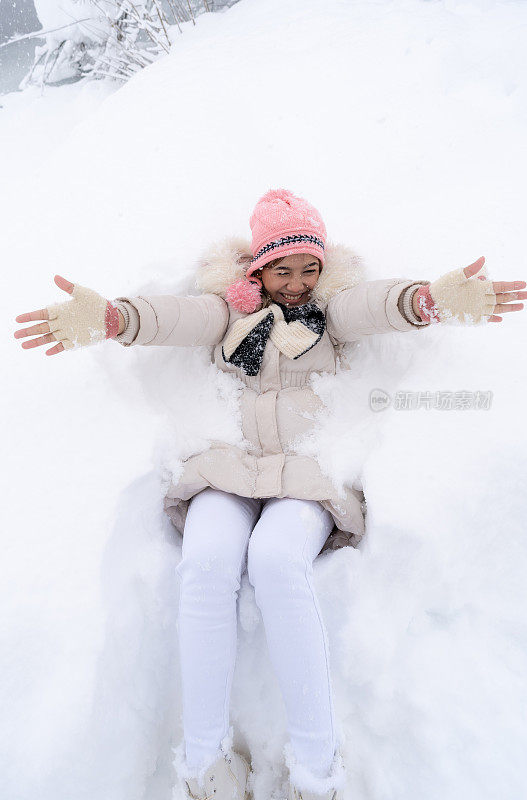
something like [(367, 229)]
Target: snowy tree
[(108, 38)]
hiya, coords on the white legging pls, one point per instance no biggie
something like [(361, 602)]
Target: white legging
[(281, 537)]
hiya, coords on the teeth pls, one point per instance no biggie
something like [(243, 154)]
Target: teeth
[(292, 296)]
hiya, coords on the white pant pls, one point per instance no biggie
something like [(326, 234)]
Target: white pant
[(281, 537)]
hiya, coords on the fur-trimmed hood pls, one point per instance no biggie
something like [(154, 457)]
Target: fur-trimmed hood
[(225, 262)]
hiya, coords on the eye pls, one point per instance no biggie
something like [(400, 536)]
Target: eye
[(306, 272)]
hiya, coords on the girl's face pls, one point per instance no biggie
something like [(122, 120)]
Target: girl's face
[(291, 280)]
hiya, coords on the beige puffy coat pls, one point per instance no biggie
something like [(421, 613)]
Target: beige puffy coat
[(278, 404)]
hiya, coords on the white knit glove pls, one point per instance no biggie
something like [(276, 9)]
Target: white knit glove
[(84, 320), (457, 299)]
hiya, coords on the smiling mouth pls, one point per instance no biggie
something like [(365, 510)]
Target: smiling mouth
[(292, 297)]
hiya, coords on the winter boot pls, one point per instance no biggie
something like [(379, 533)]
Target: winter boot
[(296, 794), (226, 779), (336, 779)]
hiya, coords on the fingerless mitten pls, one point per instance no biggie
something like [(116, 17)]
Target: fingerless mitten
[(84, 320), (456, 298)]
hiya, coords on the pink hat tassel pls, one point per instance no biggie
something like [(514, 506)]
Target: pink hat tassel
[(245, 295)]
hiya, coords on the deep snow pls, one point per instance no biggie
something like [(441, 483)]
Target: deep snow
[(405, 124)]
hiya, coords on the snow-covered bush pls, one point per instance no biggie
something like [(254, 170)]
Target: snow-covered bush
[(113, 38)]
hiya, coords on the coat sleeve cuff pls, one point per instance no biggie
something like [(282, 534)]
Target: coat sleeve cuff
[(131, 322), (395, 309), (405, 304)]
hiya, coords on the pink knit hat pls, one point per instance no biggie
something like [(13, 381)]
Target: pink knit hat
[(282, 224)]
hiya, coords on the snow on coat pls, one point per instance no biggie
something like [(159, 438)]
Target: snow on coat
[(277, 405)]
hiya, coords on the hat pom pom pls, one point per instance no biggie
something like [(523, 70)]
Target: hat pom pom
[(279, 194), (244, 295)]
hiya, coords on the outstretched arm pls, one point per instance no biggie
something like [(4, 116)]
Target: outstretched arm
[(172, 320), (88, 318), (380, 306), (457, 297)]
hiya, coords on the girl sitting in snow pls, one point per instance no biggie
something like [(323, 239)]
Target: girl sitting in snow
[(274, 311)]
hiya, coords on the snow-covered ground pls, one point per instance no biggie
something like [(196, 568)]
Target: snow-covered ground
[(405, 124)]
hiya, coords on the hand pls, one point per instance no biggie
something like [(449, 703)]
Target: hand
[(86, 319), (454, 297), (502, 291)]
